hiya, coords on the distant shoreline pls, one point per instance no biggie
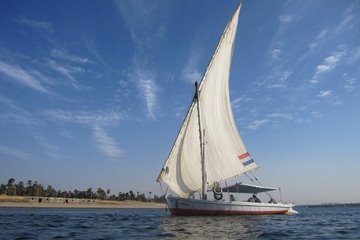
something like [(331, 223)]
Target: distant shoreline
[(22, 202), (334, 205)]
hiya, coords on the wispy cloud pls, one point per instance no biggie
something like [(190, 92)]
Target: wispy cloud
[(100, 118), (65, 55), (318, 40), (146, 24), (22, 77), (50, 149), (97, 122), (67, 134), (349, 84), (190, 71), (16, 114), (286, 116), (35, 24), (236, 103), (316, 114), (327, 65), (149, 90), (144, 20), (286, 18), (14, 152), (348, 15), (68, 72), (179, 111), (106, 144), (354, 56), (257, 124), (277, 79), (324, 93), (275, 53)]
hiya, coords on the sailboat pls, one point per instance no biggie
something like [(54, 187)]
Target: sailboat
[(209, 151)]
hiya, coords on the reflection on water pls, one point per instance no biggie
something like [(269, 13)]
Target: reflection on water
[(230, 227)]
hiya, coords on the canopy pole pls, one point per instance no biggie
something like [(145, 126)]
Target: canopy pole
[(202, 145), (228, 190)]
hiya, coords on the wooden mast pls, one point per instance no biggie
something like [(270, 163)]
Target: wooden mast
[(202, 146)]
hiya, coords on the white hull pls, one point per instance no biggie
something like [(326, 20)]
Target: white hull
[(183, 206)]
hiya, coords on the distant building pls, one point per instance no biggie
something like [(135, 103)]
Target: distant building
[(59, 200)]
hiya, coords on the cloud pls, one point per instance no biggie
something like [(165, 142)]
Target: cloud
[(22, 77), (105, 143), (35, 24), (13, 152), (316, 114), (51, 149), (17, 114), (67, 134), (327, 65), (286, 18), (236, 103), (316, 42), (144, 19), (275, 53), (277, 79), (149, 89), (347, 16), (45, 143), (354, 55), (97, 122), (286, 116), (100, 118), (180, 112), (322, 68), (146, 24), (349, 84), (257, 123), (65, 55), (68, 72), (190, 71), (324, 93)]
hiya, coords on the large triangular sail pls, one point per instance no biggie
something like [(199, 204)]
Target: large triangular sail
[(225, 153)]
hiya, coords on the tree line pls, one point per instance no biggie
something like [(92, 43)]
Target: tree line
[(34, 188)]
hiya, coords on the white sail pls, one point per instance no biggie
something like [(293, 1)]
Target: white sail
[(225, 153)]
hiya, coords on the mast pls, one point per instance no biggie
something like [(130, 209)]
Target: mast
[(202, 145)]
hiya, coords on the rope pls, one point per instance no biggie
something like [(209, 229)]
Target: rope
[(258, 182), (228, 190)]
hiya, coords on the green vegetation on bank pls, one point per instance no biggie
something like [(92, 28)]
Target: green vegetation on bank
[(37, 189)]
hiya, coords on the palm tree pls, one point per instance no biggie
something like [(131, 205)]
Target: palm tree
[(108, 192), (10, 187), (20, 188), (28, 189), (2, 189), (50, 191), (132, 195), (101, 193), (89, 193)]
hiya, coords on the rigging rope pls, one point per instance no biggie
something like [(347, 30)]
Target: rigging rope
[(258, 182)]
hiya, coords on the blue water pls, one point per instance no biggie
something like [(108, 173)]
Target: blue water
[(311, 223)]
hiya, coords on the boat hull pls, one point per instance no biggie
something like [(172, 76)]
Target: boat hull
[(187, 207)]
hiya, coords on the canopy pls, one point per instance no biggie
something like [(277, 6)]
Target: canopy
[(247, 188)]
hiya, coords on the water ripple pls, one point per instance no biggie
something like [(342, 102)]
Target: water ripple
[(311, 223)]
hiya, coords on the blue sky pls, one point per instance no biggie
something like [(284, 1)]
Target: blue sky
[(92, 93)]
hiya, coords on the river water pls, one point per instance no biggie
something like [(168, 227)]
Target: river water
[(310, 223)]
